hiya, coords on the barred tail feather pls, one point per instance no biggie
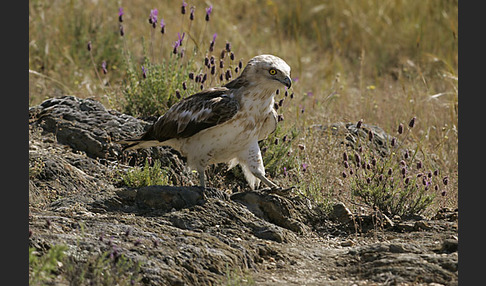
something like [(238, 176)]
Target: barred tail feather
[(133, 144)]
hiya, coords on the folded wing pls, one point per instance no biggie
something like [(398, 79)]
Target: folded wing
[(194, 114)]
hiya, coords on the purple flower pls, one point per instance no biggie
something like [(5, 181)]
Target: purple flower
[(370, 135), (310, 94), (304, 167), (211, 45), (411, 124), (183, 7), (175, 46), (178, 43), (400, 128), (144, 72), (345, 156), (162, 26), (285, 172), (153, 17), (419, 164), (228, 75), (208, 12), (120, 14), (103, 67), (181, 38), (191, 15)]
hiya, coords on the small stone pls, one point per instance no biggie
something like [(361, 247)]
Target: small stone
[(347, 243), (450, 245), (341, 213), (421, 225)]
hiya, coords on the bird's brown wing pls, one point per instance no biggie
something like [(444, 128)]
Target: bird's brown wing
[(194, 114)]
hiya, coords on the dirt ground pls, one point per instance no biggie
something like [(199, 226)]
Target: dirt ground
[(191, 236)]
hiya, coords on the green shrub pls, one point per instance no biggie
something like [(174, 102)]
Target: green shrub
[(277, 152), (148, 175), (397, 184), (43, 268), (107, 268)]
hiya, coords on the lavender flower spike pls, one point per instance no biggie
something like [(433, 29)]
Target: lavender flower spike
[(181, 38), (162, 26), (209, 10), (144, 72), (120, 14), (191, 15), (183, 7), (211, 44), (153, 17), (175, 46), (103, 67)]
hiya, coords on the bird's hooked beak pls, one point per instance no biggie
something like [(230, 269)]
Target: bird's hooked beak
[(286, 81)]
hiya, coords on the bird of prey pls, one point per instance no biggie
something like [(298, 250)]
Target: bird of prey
[(224, 124)]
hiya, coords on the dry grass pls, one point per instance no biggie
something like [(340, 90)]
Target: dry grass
[(380, 61)]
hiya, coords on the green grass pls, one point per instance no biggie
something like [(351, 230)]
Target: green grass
[(107, 268), (380, 61), (43, 268), (147, 175)]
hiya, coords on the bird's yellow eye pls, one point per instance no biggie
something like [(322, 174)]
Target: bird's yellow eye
[(273, 71)]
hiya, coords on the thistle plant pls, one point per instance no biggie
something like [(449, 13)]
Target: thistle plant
[(400, 183)]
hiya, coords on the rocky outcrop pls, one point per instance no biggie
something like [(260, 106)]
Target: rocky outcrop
[(184, 235)]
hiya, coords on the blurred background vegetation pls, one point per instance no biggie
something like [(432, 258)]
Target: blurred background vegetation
[(382, 61)]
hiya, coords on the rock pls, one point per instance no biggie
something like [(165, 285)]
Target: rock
[(449, 245), (341, 213), (273, 208), (363, 222), (347, 243), (400, 263), (87, 126), (166, 198), (355, 136), (421, 225), (446, 213)]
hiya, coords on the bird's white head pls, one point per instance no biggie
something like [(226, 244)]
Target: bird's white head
[(269, 71)]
